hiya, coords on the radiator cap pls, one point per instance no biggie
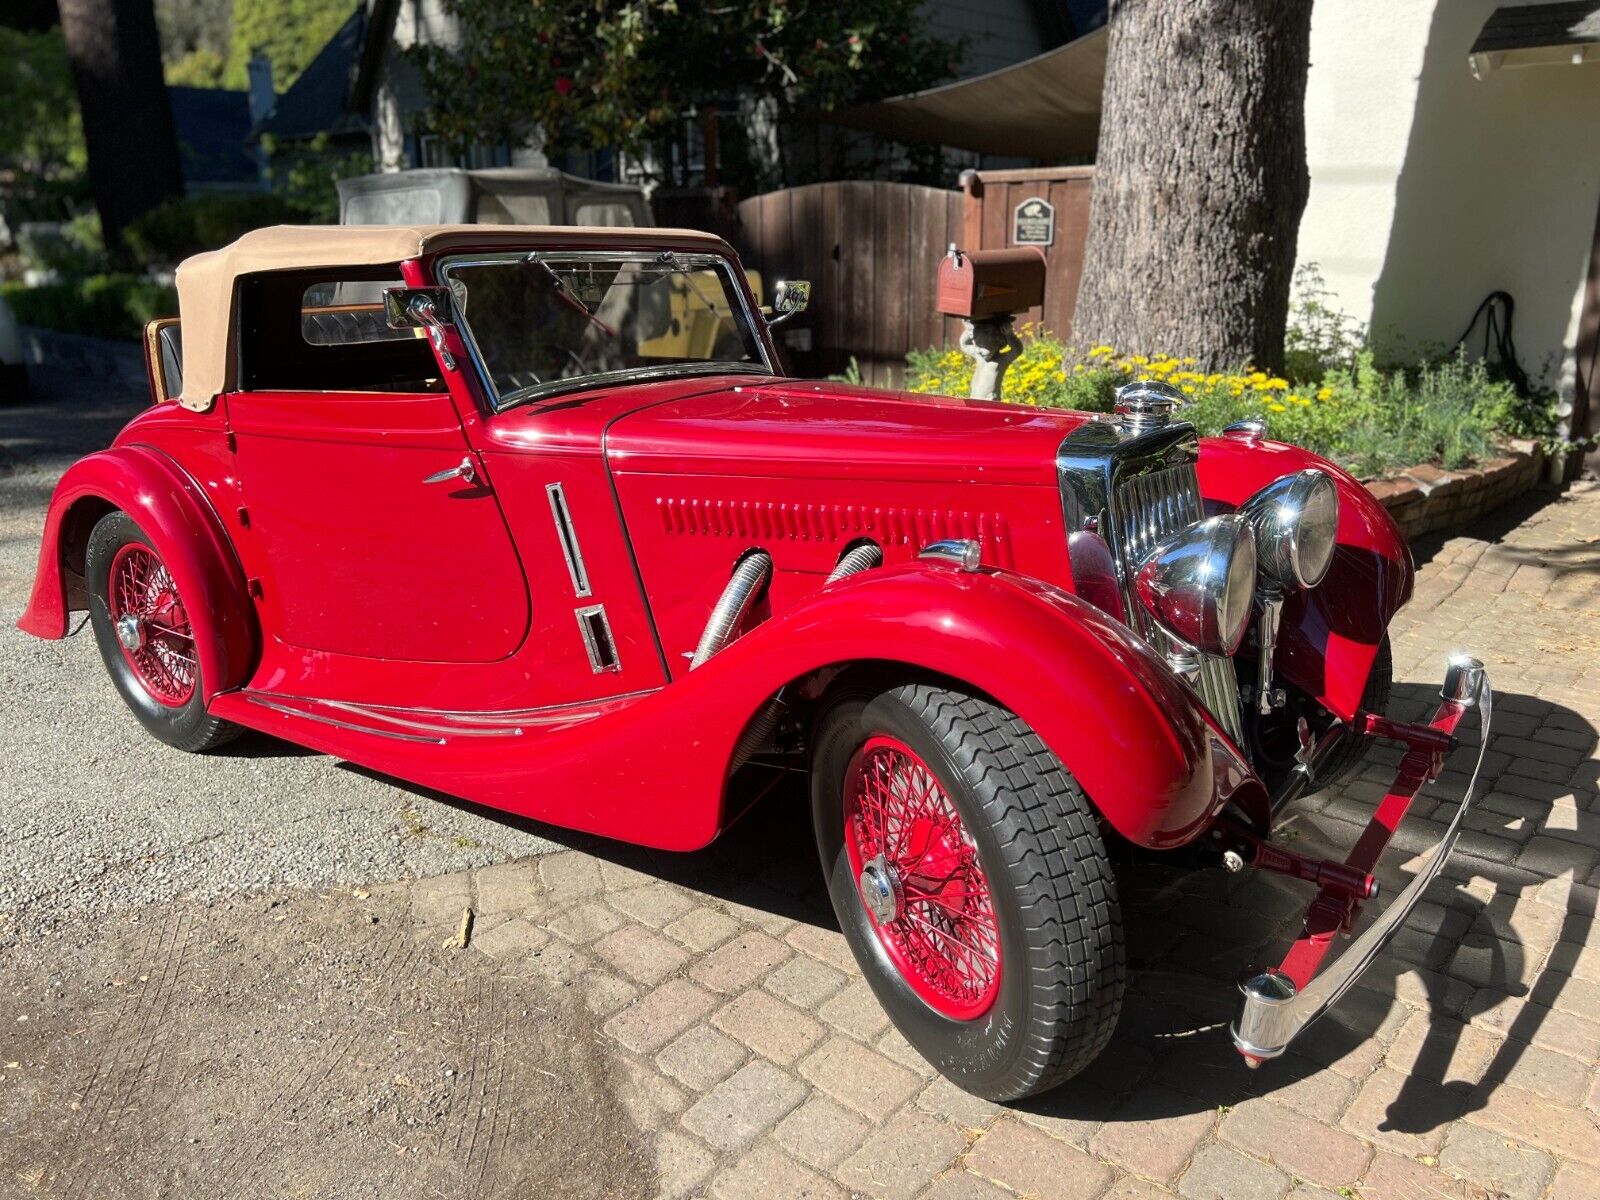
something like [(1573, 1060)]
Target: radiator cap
[(1146, 404)]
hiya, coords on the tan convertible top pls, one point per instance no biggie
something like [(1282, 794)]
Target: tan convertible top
[(206, 281)]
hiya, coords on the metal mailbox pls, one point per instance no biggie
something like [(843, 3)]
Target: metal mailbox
[(990, 283)]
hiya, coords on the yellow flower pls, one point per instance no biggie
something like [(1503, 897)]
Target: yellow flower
[(1189, 387), (1101, 352), (1324, 393), (1188, 362), (1077, 367), (1276, 407)]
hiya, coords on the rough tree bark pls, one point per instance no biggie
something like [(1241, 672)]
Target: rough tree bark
[(127, 120), (1200, 180)]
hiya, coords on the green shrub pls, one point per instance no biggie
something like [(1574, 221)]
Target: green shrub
[(175, 229), (115, 306), (1367, 419)]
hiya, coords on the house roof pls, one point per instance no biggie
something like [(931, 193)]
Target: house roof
[(1521, 27), (206, 281), (1044, 107), (212, 125), (319, 100), (1538, 35)]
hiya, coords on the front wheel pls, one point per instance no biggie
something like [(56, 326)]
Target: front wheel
[(145, 637), (971, 882)]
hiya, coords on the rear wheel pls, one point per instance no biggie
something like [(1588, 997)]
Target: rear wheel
[(145, 636), (971, 882)]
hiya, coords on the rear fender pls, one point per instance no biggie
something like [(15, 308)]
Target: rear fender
[(1329, 635), (170, 508), (1135, 737)]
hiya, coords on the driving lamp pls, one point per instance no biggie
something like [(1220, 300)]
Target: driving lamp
[(1296, 523), (1199, 585)]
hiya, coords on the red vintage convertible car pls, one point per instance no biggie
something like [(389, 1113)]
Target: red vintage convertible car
[(532, 516)]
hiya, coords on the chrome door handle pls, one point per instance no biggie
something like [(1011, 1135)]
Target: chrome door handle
[(463, 471)]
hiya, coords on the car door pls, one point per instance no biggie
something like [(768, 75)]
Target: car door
[(378, 528)]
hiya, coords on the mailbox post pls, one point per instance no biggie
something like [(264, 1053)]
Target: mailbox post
[(987, 289)]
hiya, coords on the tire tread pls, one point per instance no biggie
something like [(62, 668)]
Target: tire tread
[(1050, 837)]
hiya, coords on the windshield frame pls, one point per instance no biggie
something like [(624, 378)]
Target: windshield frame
[(690, 259)]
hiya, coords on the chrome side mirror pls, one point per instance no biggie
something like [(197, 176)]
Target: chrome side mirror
[(418, 308), (423, 308), (789, 297)]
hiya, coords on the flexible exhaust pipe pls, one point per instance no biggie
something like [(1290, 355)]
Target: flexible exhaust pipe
[(852, 562), (750, 575)]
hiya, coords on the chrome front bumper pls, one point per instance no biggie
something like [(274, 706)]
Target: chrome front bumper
[(1277, 1008)]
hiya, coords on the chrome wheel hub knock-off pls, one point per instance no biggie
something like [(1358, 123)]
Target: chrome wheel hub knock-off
[(130, 631), (880, 891)]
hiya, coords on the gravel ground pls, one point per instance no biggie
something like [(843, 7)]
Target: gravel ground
[(97, 817), (309, 1045)]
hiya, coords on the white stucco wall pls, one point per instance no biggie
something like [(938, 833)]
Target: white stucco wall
[(1430, 189)]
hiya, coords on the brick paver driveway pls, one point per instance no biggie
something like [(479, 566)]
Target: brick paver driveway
[(1463, 1066)]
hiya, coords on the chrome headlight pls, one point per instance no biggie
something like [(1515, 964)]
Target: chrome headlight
[(1200, 584), (1296, 523)]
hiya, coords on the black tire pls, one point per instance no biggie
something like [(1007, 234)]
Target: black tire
[(186, 726), (1054, 897), (1274, 741)]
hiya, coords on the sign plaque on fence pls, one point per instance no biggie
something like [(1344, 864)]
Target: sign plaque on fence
[(1033, 222)]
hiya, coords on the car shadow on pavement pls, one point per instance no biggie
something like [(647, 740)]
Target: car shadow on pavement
[(1480, 964)]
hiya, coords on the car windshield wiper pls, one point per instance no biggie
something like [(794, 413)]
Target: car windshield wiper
[(688, 277), (565, 293)]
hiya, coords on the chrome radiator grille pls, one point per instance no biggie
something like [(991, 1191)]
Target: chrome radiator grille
[(1146, 510)]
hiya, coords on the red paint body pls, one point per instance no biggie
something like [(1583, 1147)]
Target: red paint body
[(429, 631)]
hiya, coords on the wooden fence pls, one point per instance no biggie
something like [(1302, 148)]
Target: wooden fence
[(871, 251)]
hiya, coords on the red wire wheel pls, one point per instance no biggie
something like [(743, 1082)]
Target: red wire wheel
[(151, 625), (920, 880)]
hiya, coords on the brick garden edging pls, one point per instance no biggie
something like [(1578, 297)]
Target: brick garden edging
[(1427, 499)]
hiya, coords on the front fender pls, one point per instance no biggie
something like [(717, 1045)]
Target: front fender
[(1135, 736), (171, 509), (1329, 635), (652, 768)]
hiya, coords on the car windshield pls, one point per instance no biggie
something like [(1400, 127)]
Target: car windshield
[(549, 322)]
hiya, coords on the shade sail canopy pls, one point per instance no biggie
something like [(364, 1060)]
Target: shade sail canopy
[(1045, 107)]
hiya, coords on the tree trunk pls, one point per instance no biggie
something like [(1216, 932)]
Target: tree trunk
[(127, 121), (1200, 180)]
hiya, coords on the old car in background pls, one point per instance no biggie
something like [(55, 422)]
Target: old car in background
[(453, 503), (489, 196)]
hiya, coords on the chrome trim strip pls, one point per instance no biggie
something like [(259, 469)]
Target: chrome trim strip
[(568, 537), (431, 727), (1274, 1013), (593, 619), (338, 724)]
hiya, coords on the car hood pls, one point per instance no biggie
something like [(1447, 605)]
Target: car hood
[(826, 430)]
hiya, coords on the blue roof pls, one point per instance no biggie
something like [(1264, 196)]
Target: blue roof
[(319, 100), (212, 125)]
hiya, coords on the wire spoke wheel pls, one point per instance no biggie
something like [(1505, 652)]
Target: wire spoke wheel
[(151, 624), (920, 879)]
